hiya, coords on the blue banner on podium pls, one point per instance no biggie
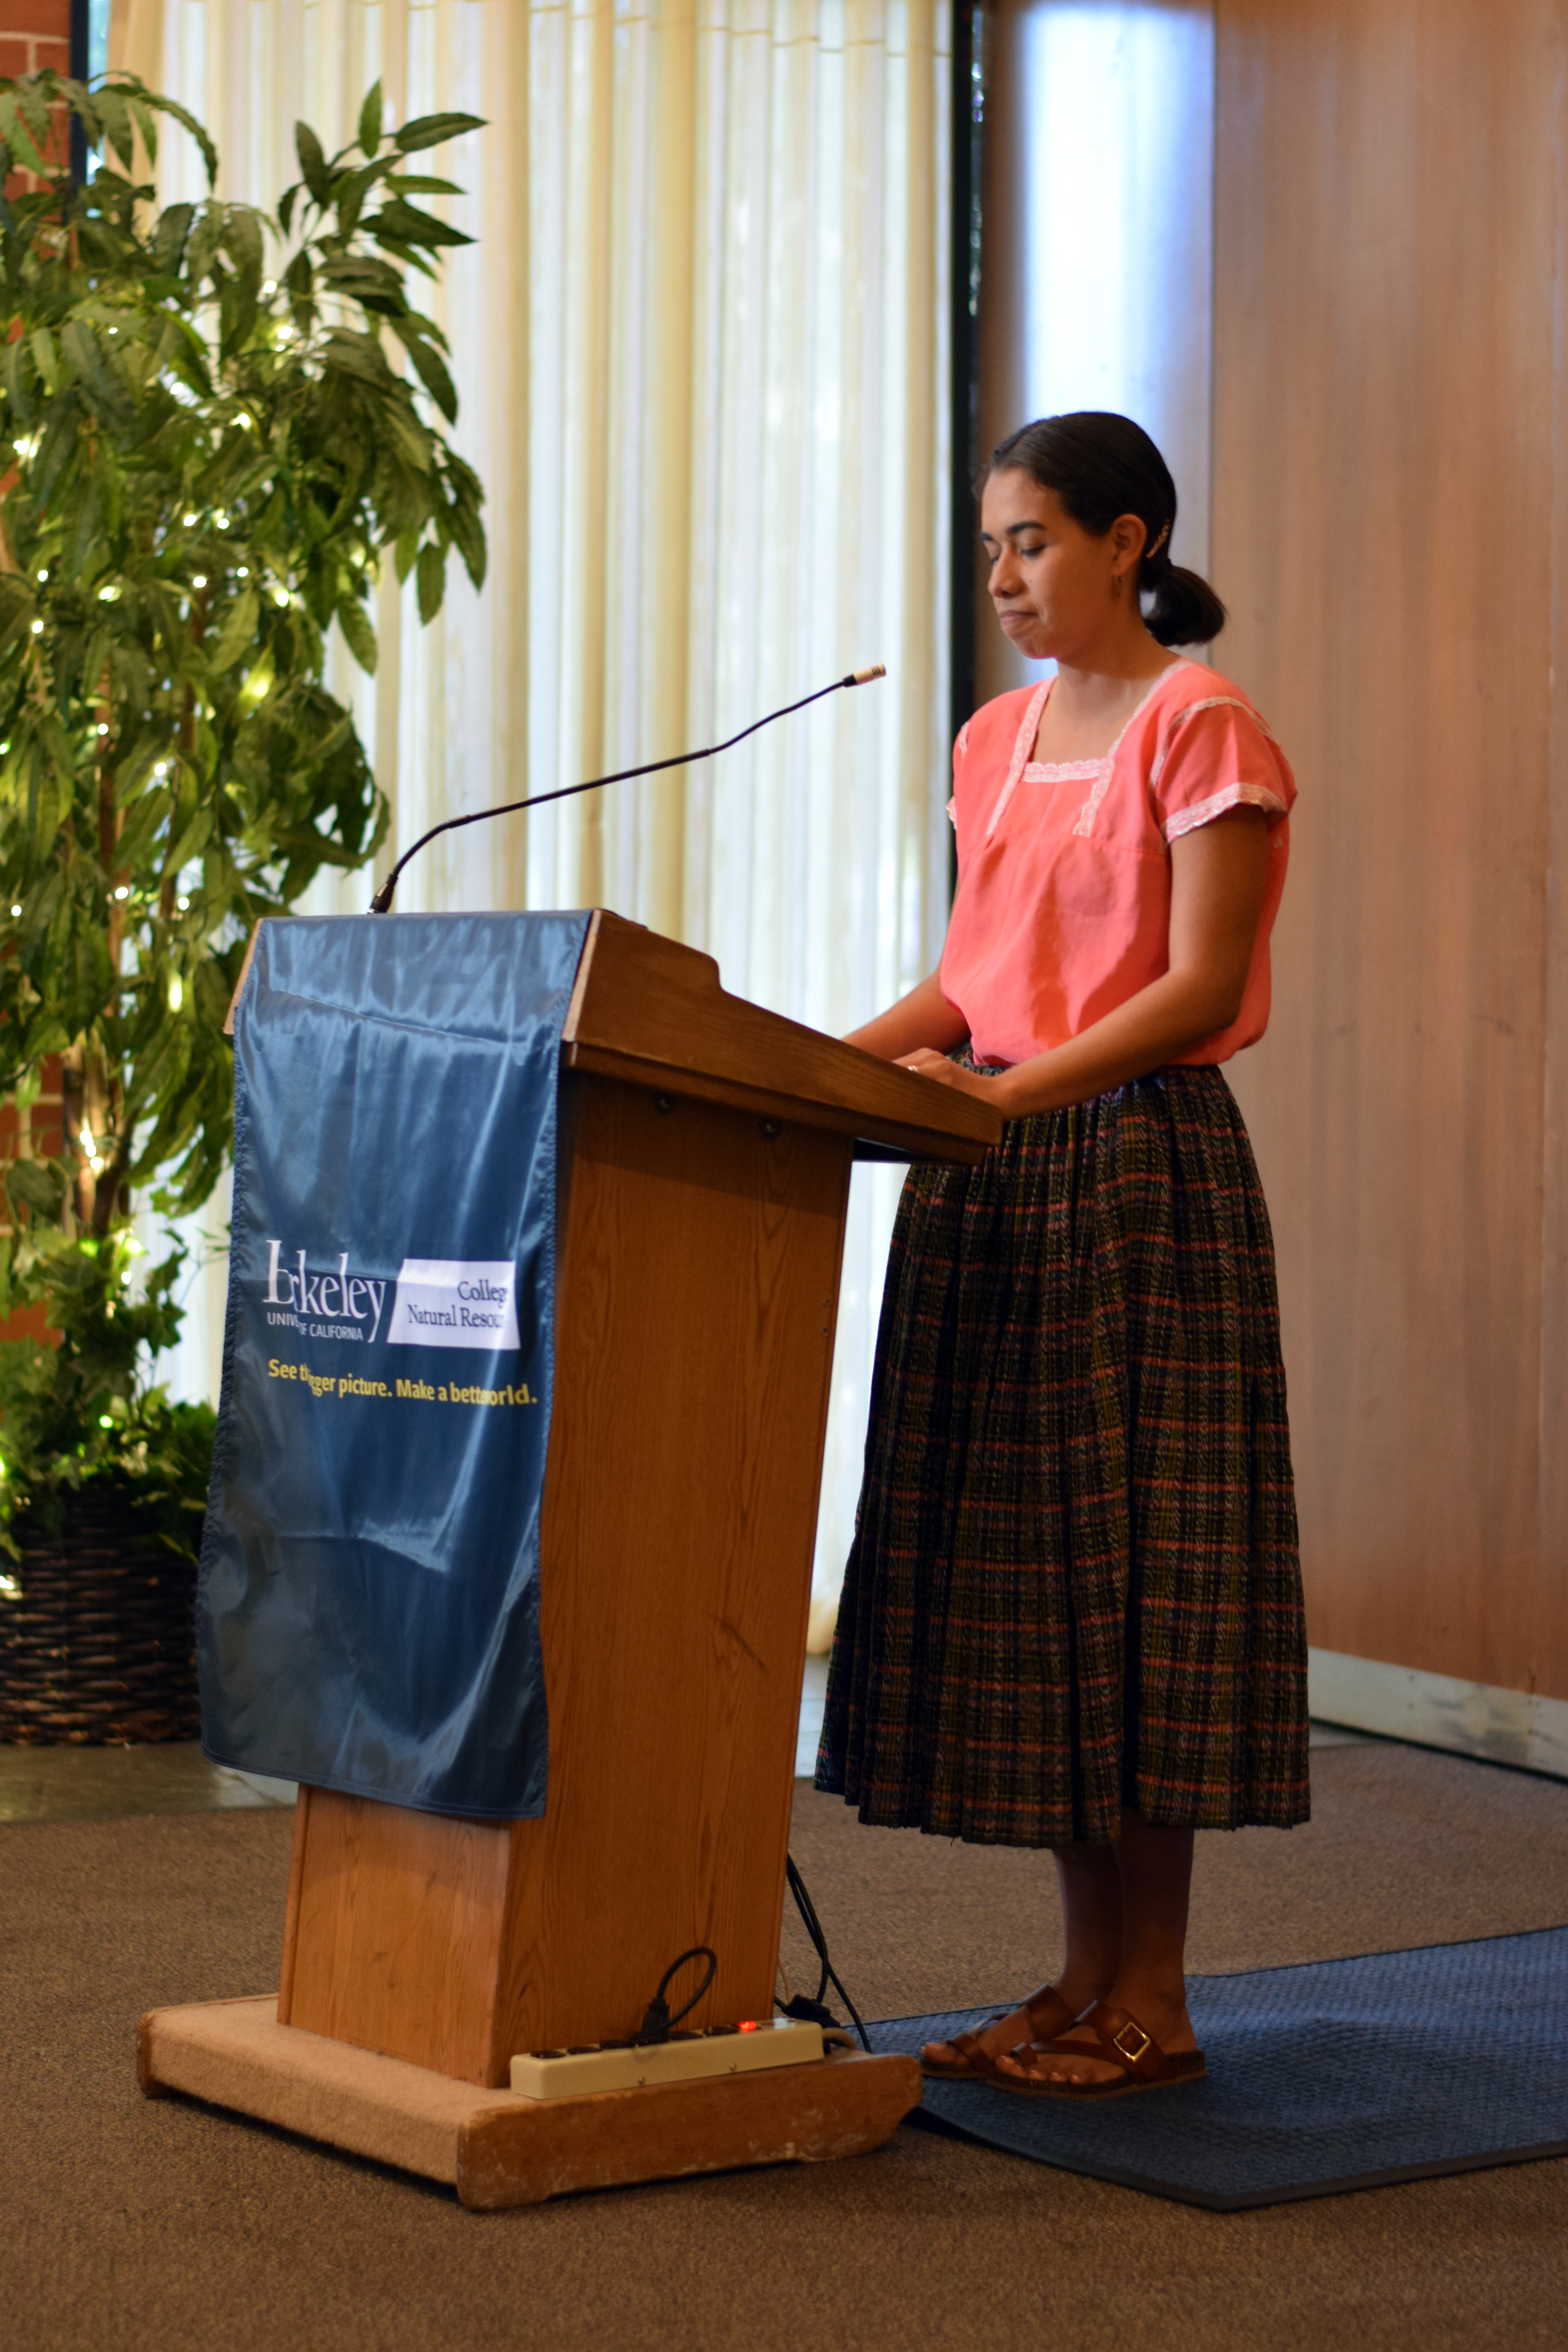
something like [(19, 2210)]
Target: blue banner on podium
[(368, 1613)]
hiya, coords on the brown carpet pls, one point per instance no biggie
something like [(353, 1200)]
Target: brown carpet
[(154, 2227)]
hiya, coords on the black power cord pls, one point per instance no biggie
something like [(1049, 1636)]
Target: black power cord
[(801, 2006), (657, 2019)]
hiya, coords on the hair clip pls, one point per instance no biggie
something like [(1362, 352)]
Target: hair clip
[(1148, 552)]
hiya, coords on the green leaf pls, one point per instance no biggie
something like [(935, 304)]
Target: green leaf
[(238, 633), (242, 241), (146, 122), (405, 224), (205, 238), (46, 359), (370, 132), (20, 139), (430, 368), (34, 1185), (178, 113), (361, 356), (468, 532), (358, 633), (258, 681), (313, 164), (432, 581), (169, 237), (15, 597), (35, 114), (118, 128), (145, 820), (353, 189), (83, 350), (430, 129)]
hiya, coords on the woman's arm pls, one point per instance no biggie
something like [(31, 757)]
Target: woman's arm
[(924, 1017), (1218, 874)]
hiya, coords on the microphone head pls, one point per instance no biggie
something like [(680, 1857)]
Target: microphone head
[(382, 902), (865, 676)]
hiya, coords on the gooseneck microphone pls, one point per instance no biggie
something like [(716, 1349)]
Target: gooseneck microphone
[(382, 901)]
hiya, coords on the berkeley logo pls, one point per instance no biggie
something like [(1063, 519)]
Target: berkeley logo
[(447, 1302), (441, 1302), (335, 1306)]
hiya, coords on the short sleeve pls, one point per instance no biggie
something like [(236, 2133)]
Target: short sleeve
[(1217, 755)]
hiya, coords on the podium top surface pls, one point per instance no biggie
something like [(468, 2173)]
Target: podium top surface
[(650, 1012)]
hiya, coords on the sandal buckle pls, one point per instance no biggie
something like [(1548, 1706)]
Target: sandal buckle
[(1145, 2041)]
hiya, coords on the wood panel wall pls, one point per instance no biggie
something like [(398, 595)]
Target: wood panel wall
[(1390, 531)]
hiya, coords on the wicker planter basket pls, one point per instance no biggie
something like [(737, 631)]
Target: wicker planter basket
[(98, 1645)]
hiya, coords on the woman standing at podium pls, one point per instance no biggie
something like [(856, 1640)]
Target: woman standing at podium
[(1072, 1613)]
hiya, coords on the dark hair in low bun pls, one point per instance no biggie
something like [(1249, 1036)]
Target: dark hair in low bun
[(1101, 465)]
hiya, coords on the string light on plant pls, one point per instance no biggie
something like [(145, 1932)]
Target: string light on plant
[(15, 910), (107, 595), (38, 628), (122, 892), (177, 998), (43, 575), (160, 767), (103, 728), (183, 903), (190, 520), (281, 598), (198, 580)]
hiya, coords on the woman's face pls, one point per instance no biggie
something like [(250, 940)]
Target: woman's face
[(1050, 579)]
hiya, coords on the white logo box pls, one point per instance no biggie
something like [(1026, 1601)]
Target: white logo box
[(447, 1302)]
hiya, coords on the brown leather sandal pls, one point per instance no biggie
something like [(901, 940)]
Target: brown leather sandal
[(1118, 2037), (1048, 2013)]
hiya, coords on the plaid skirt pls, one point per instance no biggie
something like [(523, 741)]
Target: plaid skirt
[(1075, 1583)]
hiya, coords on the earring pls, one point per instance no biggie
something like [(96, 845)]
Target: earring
[(1116, 584)]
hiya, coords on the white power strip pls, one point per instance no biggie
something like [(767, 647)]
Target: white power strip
[(631, 2065)]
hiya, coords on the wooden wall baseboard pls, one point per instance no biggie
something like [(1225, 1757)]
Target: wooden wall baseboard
[(1496, 1726)]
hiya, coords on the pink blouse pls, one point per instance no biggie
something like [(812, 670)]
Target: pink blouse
[(1063, 908)]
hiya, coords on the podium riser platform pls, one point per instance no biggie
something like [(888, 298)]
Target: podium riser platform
[(498, 2153)]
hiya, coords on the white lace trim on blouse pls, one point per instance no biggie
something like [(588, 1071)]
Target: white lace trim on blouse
[(1029, 727), (1054, 770), (1256, 796)]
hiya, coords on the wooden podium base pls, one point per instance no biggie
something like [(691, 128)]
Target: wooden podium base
[(497, 2150)]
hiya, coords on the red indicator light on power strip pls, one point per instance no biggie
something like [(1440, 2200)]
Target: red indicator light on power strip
[(747, 2025)]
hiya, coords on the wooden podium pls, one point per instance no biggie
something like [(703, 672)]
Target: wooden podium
[(705, 1152)]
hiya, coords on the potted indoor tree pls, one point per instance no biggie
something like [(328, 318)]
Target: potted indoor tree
[(215, 426)]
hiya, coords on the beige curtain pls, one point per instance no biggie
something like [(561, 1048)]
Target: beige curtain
[(701, 352)]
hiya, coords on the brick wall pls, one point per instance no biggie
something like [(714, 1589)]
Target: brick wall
[(35, 33)]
